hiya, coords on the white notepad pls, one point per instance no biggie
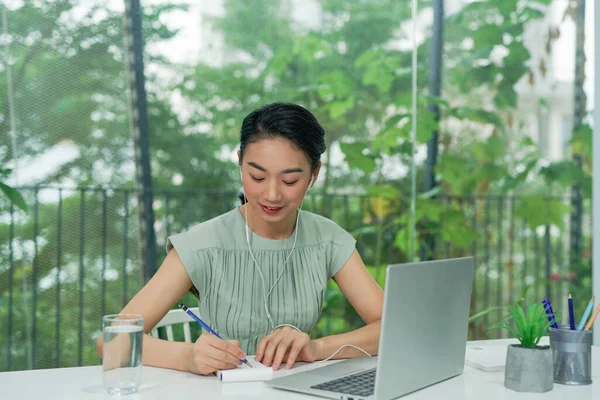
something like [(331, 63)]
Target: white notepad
[(244, 373), (487, 358), (490, 355)]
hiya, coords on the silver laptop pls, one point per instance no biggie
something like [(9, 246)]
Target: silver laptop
[(422, 339)]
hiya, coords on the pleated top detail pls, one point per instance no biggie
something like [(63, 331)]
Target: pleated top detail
[(216, 256)]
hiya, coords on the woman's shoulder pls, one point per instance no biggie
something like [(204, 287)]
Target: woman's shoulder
[(216, 232), (318, 220), (325, 229), (215, 223)]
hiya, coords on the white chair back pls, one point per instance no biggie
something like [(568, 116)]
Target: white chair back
[(175, 317)]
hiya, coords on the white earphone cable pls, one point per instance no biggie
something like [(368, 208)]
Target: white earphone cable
[(262, 279), (331, 356), (288, 325), (346, 345)]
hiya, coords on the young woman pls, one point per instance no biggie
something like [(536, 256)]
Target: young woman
[(261, 269)]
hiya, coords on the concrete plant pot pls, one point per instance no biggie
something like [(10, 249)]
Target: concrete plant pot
[(529, 370)]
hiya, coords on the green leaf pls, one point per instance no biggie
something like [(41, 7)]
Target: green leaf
[(509, 328), (530, 13), (431, 209), (385, 141), (365, 230), (280, 61), (5, 172), (402, 240), (478, 115), (563, 172), (451, 169), (456, 231), (14, 196), (538, 211), (324, 92), (378, 76), (339, 108), (356, 159), (507, 7), (582, 139), (512, 182), (437, 101), (337, 83), (334, 298), (393, 121), (430, 193), (517, 56), (308, 46), (426, 125), (483, 313), (369, 57), (385, 191), (491, 172), (490, 150), (527, 141), (487, 35), (530, 326), (506, 97)]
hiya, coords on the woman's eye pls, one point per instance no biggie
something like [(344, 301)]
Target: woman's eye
[(257, 179), (290, 183)]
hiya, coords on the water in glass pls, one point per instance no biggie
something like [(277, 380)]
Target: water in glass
[(122, 353)]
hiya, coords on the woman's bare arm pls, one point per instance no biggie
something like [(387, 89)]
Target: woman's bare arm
[(156, 298), (366, 296)]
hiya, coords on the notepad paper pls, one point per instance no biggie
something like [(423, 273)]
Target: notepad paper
[(487, 358), (244, 373), (490, 355)]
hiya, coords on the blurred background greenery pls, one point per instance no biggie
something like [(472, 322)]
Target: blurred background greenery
[(511, 173)]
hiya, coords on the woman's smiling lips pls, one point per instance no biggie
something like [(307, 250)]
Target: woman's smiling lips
[(270, 210)]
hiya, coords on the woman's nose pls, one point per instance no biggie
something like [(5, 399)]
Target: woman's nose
[(273, 194)]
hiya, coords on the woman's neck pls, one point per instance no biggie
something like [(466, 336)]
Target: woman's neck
[(268, 230)]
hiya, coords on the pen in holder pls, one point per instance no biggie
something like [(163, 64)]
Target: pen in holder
[(572, 355)]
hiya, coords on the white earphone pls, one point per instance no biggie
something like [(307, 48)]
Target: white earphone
[(265, 293)]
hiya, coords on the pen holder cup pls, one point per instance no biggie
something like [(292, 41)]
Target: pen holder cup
[(572, 355)]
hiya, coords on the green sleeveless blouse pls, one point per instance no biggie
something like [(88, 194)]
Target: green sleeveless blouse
[(217, 259)]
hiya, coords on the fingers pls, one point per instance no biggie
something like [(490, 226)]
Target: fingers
[(262, 345), (223, 356), (212, 354), (293, 356), (281, 351), (220, 359), (271, 349), (231, 347)]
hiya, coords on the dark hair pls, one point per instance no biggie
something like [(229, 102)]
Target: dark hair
[(287, 120)]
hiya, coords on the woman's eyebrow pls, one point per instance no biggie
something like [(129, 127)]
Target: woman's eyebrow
[(255, 165), (285, 171)]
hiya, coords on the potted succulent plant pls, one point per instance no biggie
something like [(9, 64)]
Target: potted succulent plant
[(529, 366)]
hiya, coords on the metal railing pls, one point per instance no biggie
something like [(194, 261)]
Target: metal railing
[(72, 259)]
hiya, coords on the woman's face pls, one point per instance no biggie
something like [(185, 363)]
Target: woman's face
[(275, 176)]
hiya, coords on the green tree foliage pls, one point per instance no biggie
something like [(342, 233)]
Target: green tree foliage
[(351, 67)]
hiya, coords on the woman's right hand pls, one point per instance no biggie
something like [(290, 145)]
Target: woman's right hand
[(210, 354)]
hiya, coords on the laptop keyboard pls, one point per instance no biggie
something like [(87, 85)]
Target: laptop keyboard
[(360, 384)]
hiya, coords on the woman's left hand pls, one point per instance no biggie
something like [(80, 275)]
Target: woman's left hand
[(286, 345)]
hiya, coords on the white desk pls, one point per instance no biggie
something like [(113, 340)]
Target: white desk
[(86, 383)]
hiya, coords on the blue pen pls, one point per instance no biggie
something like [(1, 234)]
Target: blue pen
[(550, 312), (571, 313), (586, 314), (205, 326)]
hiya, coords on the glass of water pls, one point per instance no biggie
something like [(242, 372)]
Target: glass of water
[(122, 336)]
